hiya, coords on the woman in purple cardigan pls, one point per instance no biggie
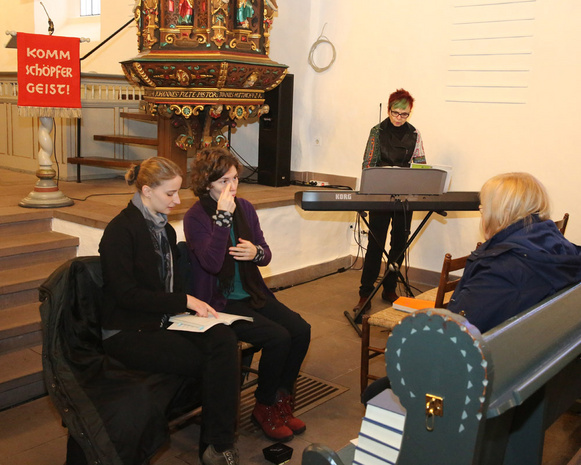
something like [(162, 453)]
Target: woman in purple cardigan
[(226, 247)]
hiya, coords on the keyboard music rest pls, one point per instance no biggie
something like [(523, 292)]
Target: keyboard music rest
[(344, 200)]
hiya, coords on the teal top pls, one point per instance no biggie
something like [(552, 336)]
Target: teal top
[(238, 292)]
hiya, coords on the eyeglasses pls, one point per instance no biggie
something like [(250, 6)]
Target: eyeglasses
[(397, 114)]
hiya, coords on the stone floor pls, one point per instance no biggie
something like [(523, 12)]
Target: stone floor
[(32, 434)]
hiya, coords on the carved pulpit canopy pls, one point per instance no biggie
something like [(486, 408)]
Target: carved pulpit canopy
[(204, 56)]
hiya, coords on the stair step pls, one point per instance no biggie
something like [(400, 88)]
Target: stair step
[(15, 299), (127, 139), (103, 162), (35, 242), (32, 258), (23, 227), (138, 116), (26, 278), (21, 376), (20, 327), (18, 214)]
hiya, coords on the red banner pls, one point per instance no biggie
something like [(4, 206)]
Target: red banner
[(49, 71)]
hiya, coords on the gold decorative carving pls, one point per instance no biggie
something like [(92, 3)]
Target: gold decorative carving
[(169, 38), (278, 81), (150, 108), (186, 110), (143, 76), (219, 36), (270, 7), (223, 75), (150, 22)]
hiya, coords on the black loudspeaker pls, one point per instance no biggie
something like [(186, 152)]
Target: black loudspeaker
[(275, 135)]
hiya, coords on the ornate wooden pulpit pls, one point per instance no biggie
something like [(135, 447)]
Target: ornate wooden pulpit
[(204, 65)]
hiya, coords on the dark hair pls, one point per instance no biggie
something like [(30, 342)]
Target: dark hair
[(210, 165), (400, 99), (152, 172)]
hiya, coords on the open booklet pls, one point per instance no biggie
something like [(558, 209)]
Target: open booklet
[(199, 324)]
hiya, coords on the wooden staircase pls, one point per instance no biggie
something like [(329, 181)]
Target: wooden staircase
[(166, 147), (108, 162), (29, 253)]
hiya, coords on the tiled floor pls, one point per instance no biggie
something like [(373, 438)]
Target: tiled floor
[(32, 434)]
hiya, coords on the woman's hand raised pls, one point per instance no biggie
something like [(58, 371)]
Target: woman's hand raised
[(226, 200)]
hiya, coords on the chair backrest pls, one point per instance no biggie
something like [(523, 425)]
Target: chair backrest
[(562, 224), (117, 416), (446, 284)]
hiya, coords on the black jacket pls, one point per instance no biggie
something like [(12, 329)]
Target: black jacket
[(118, 417), (135, 296)]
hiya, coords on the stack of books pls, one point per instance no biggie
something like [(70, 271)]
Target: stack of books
[(381, 432)]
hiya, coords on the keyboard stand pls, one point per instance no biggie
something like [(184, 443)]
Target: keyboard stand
[(355, 317)]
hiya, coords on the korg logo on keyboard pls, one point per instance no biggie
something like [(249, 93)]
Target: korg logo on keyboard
[(342, 196)]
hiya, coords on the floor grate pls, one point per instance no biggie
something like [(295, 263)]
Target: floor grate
[(310, 393)]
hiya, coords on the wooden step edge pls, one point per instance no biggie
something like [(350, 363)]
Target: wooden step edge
[(27, 364), (35, 277), (23, 395), (138, 116), (18, 228), (20, 381), (10, 215), (102, 162), (49, 243), (126, 139), (20, 341), (21, 320)]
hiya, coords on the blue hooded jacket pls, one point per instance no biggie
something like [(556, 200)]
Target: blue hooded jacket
[(514, 270)]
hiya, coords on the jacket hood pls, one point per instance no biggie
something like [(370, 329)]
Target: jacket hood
[(539, 245)]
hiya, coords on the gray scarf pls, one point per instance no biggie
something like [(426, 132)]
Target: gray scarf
[(156, 225)]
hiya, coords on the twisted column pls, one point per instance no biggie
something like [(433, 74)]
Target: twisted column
[(46, 193)]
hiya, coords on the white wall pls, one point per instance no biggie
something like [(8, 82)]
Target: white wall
[(292, 240), (29, 16), (389, 44)]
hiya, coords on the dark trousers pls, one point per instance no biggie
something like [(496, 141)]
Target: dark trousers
[(212, 355), (284, 338), (400, 231)]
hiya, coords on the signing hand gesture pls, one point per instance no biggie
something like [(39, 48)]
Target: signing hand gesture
[(200, 307), (244, 250), (226, 201)]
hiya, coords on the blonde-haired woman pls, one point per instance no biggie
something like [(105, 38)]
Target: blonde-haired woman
[(525, 257), (142, 289)]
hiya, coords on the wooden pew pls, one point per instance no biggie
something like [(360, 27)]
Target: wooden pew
[(500, 391)]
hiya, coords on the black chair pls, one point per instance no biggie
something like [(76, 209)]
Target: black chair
[(114, 415)]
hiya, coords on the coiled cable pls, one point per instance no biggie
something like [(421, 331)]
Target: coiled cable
[(321, 40)]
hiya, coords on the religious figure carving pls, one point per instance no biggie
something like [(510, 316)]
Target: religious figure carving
[(186, 12), (244, 12)]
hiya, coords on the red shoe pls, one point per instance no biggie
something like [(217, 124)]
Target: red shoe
[(285, 404), (268, 418)]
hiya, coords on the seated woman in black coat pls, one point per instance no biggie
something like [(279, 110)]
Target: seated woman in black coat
[(524, 260), (141, 290)]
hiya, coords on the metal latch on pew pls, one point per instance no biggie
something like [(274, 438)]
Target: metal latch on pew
[(434, 408)]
